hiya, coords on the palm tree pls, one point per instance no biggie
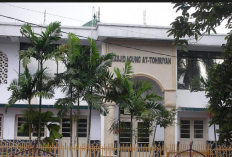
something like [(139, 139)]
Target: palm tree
[(42, 49), (116, 89), (135, 101), (95, 82), (25, 88), (86, 75)]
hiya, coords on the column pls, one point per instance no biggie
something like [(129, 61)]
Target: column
[(108, 121)]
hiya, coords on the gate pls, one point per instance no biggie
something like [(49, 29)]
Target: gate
[(34, 148), (190, 151)]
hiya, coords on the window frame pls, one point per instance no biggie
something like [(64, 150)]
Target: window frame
[(25, 137), (126, 118), (194, 56), (192, 129), (141, 144), (73, 127)]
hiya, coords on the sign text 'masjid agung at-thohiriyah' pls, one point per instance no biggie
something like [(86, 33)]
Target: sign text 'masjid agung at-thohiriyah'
[(142, 59)]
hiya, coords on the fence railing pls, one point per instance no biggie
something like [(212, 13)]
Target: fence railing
[(8, 150)]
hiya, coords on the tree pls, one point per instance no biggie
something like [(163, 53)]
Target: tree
[(204, 19), (116, 90), (86, 74), (42, 49), (135, 101), (158, 115), (96, 80), (69, 79), (25, 88), (217, 89)]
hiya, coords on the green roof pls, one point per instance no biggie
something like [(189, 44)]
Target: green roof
[(37, 106), (192, 109), (89, 24)]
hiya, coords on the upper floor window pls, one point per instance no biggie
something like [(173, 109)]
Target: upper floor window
[(3, 68), (194, 63)]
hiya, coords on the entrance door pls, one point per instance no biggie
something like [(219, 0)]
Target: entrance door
[(192, 130)]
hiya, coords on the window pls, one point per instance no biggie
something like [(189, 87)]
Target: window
[(3, 68), (82, 128), (194, 63), (143, 134), (19, 122), (1, 125), (125, 135), (125, 111), (185, 129), (66, 127), (198, 129), (192, 129)]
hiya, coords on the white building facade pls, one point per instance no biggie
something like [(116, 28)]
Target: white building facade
[(153, 58)]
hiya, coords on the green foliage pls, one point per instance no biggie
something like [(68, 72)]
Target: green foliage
[(42, 49), (197, 84), (204, 19), (225, 134), (218, 89), (83, 73), (134, 99), (158, 115), (41, 43), (85, 76), (26, 87), (47, 120)]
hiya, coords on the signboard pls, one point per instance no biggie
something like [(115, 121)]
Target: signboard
[(143, 59)]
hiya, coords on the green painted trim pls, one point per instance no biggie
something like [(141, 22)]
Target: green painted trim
[(192, 109), (37, 106)]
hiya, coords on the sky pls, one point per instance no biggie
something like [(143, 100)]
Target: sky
[(157, 14)]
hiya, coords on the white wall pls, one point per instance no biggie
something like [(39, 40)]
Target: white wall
[(159, 136), (210, 136), (184, 98), (11, 50)]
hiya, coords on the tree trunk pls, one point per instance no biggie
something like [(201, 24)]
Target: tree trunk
[(119, 127), (153, 143), (89, 125), (71, 122), (71, 130), (131, 127), (77, 123), (29, 106), (154, 135), (40, 104)]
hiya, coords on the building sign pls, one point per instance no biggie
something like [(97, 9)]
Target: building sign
[(139, 59)]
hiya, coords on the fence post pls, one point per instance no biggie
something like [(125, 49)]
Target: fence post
[(190, 151), (34, 147)]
